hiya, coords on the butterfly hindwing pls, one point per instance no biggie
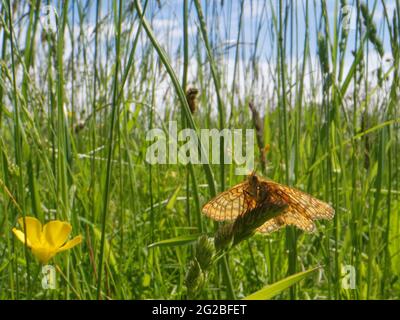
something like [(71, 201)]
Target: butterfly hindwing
[(288, 218)]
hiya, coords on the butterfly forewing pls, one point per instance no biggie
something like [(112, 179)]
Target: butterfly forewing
[(229, 204), (299, 201)]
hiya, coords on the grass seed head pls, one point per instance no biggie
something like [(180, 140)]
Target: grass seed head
[(194, 279), (204, 252)]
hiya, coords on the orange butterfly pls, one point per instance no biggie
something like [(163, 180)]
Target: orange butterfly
[(301, 208)]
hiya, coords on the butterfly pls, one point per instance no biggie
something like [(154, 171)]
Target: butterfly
[(300, 209)]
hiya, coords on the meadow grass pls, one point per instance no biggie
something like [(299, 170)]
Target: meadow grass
[(76, 102)]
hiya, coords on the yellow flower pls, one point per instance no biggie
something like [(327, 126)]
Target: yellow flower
[(45, 242)]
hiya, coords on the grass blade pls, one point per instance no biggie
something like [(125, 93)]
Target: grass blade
[(272, 290)]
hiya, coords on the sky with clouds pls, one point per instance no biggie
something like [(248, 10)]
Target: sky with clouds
[(257, 26)]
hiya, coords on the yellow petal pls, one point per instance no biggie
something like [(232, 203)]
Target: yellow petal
[(33, 229), (56, 233), (70, 244), (21, 236), (43, 254)]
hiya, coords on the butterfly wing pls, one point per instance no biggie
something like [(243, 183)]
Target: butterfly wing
[(229, 204), (302, 209), (288, 218)]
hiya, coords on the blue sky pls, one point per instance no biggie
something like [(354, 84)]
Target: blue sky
[(170, 15), (222, 23)]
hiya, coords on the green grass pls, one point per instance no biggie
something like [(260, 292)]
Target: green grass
[(73, 129)]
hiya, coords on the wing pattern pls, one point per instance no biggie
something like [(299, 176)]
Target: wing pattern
[(302, 208), (301, 212), (229, 204)]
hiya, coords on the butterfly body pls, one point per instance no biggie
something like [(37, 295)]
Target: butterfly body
[(298, 208)]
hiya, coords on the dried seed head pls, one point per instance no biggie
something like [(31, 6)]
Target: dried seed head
[(79, 126), (259, 125), (191, 96)]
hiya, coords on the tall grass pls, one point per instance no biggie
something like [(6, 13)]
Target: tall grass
[(77, 101)]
